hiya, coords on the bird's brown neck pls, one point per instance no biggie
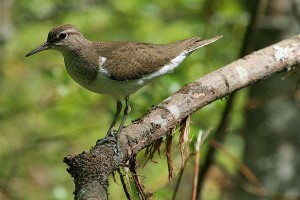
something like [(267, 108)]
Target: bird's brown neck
[(79, 65)]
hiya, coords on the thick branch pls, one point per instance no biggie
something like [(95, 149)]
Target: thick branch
[(95, 166)]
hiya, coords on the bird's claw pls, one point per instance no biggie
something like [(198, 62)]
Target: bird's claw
[(111, 141), (108, 139)]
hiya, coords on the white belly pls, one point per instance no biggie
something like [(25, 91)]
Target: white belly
[(118, 89)]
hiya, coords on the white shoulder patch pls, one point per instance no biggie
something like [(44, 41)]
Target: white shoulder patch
[(102, 60)]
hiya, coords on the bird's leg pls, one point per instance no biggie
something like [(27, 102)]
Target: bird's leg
[(126, 112), (114, 137), (110, 132), (110, 137)]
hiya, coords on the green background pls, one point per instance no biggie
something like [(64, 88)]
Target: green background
[(45, 115)]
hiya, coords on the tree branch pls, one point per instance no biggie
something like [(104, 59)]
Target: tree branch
[(90, 169)]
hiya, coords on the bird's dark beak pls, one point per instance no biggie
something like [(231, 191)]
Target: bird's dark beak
[(43, 47)]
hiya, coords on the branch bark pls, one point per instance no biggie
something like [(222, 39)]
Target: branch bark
[(90, 170)]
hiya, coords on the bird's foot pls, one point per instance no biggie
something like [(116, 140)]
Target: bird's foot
[(108, 139), (111, 141)]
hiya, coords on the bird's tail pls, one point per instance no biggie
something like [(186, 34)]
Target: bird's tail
[(196, 43), (187, 46)]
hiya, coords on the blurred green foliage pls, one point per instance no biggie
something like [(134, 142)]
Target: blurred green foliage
[(45, 115)]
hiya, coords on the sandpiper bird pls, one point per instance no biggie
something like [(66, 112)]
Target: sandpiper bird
[(116, 68)]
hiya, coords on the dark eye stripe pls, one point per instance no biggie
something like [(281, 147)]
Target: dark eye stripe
[(53, 40)]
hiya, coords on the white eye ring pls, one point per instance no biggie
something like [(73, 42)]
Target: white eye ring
[(63, 35)]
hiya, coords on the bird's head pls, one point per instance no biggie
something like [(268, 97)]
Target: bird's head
[(62, 38)]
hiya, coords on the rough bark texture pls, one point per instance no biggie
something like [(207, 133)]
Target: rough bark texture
[(90, 170)]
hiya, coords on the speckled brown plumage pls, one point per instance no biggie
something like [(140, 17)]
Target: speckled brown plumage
[(132, 60)]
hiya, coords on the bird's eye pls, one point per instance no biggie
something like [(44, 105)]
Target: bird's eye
[(63, 35)]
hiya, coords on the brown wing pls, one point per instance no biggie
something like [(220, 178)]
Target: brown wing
[(127, 61), (131, 60)]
